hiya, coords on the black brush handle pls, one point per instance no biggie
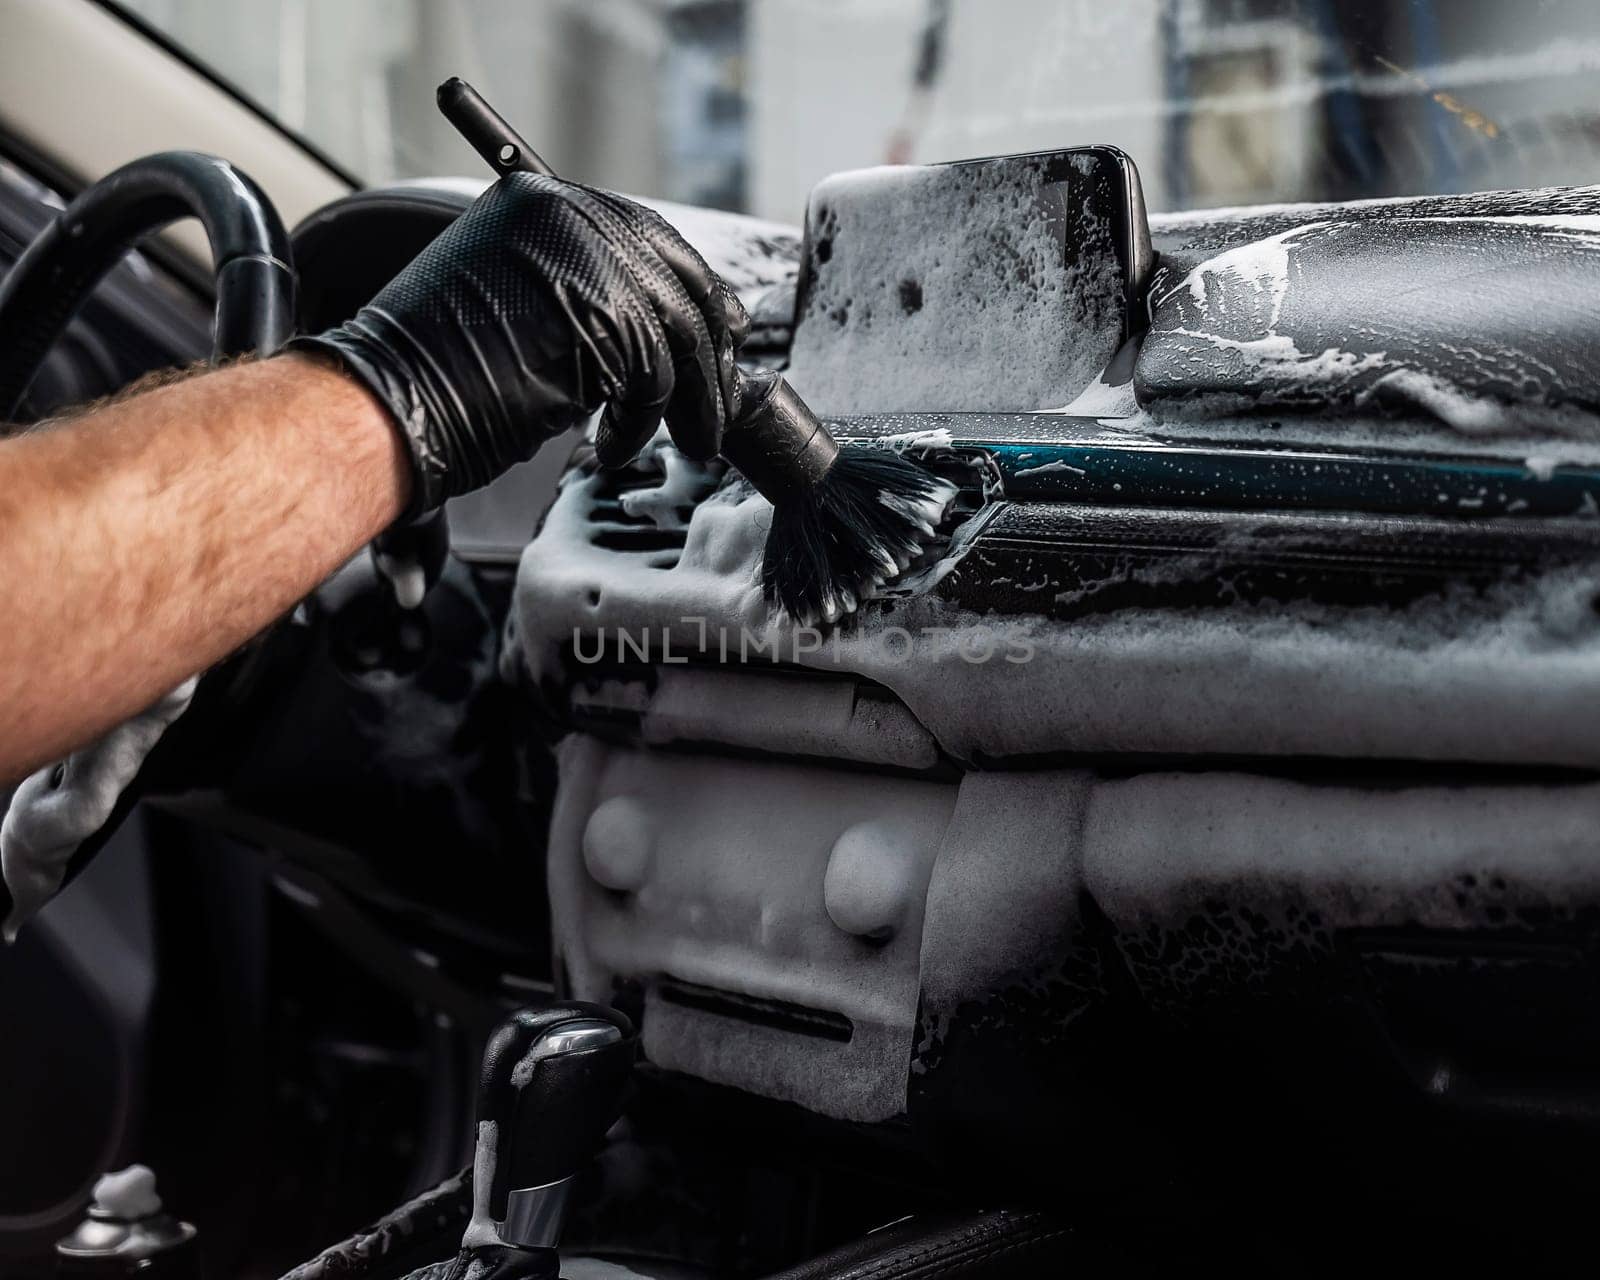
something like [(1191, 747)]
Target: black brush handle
[(777, 443), (486, 129)]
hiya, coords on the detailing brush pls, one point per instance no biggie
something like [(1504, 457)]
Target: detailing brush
[(845, 520)]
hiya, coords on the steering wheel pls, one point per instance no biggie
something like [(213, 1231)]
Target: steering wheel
[(255, 314), (56, 273)]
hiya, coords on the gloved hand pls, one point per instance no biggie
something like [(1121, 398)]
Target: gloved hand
[(543, 302)]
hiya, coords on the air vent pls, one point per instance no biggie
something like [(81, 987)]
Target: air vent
[(645, 507), (779, 1015)]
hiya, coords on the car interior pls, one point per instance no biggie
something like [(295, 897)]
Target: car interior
[(1189, 860)]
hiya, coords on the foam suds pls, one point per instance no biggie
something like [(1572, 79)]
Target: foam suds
[(1262, 265), (967, 305), (666, 504), (1473, 415), (50, 817), (822, 718), (1295, 679), (1158, 842), (705, 911), (918, 441), (481, 1229), (1256, 277), (1102, 399), (405, 578), (1299, 316), (129, 1194)]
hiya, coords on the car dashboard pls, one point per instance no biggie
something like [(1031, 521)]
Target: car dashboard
[(1215, 797), (1261, 726)]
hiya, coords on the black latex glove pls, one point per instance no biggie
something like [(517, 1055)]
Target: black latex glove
[(545, 301)]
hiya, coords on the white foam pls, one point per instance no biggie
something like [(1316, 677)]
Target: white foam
[(944, 289), (405, 577), (681, 481), (481, 1229), (1103, 400), (918, 441), (708, 912), (1271, 367), (47, 820), (129, 1194), (1425, 681)]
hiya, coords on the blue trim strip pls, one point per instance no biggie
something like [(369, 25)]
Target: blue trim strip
[(1218, 477), (1055, 458)]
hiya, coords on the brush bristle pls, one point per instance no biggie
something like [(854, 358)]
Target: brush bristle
[(863, 524)]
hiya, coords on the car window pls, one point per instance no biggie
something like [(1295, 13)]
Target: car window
[(745, 104)]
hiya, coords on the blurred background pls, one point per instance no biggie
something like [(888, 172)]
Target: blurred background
[(745, 104)]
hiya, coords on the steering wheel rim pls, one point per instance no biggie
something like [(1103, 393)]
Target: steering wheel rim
[(251, 259)]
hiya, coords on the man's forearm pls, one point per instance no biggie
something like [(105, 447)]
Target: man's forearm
[(145, 540)]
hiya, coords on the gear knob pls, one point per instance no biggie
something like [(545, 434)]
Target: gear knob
[(552, 1084)]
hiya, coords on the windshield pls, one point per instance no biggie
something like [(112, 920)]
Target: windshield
[(745, 104)]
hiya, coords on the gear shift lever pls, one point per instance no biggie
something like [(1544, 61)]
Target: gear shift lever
[(552, 1084)]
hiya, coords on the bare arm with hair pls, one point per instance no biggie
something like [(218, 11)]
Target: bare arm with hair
[(148, 538)]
